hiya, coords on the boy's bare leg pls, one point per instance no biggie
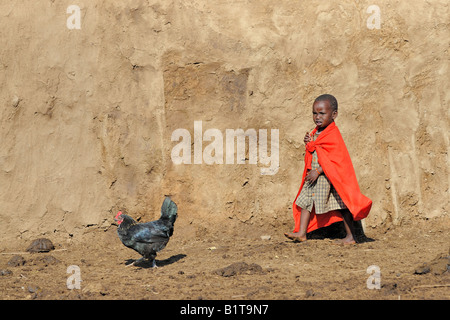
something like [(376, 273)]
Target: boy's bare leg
[(348, 224), (301, 234)]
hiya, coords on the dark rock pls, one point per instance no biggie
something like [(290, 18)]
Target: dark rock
[(46, 261), (437, 266), (41, 245), (423, 269), (239, 268), (16, 261)]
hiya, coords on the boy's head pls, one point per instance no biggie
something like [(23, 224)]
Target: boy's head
[(325, 110)]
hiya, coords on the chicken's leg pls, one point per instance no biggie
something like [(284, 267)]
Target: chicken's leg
[(138, 261)]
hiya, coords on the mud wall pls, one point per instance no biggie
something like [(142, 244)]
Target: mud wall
[(88, 111)]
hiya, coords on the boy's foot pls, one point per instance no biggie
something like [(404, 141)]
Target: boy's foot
[(295, 237), (345, 241)]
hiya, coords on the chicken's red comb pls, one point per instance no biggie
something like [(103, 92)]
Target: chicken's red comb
[(118, 214)]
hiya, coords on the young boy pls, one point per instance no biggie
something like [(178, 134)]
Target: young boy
[(329, 191)]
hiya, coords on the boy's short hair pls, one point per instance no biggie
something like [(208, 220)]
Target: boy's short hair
[(331, 99)]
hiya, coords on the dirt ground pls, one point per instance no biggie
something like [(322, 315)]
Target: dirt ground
[(90, 117), (238, 263)]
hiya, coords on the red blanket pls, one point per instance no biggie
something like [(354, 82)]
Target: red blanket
[(336, 164)]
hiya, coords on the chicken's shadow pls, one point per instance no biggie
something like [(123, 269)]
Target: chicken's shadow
[(159, 263)]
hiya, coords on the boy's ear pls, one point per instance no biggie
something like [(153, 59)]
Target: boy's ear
[(334, 114)]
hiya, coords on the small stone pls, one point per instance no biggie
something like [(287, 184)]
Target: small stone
[(266, 237), (5, 272), (33, 289), (310, 293), (15, 101)]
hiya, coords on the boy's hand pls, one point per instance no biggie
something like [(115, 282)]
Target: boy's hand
[(312, 176), (307, 138)]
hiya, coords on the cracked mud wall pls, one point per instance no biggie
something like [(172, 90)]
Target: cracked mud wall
[(87, 115)]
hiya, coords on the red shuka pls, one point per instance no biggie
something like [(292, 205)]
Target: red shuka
[(337, 166)]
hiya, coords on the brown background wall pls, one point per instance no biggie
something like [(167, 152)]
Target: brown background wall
[(87, 115)]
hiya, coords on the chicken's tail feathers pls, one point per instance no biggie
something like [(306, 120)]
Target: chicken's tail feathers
[(169, 210)]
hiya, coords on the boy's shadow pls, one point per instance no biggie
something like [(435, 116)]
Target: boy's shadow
[(337, 231), (160, 263)]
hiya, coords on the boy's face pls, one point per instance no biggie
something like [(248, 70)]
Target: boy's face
[(323, 114)]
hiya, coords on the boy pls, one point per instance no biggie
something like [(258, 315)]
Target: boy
[(329, 191)]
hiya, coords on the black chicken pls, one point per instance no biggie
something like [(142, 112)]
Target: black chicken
[(151, 237)]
